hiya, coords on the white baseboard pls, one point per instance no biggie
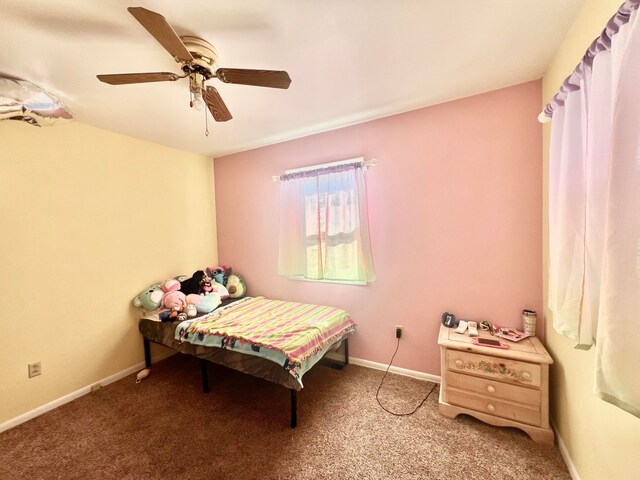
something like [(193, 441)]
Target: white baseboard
[(68, 398), (117, 376), (382, 366), (565, 454)]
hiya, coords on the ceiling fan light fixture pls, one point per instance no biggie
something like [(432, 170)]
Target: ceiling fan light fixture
[(196, 87), (197, 102)]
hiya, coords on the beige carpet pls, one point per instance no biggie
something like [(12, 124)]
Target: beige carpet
[(166, 428)]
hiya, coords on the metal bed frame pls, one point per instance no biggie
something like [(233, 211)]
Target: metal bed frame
[(294, 393)]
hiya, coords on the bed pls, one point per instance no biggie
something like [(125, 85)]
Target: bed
[(275, 340)]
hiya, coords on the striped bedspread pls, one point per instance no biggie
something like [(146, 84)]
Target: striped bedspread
[(296, 331)]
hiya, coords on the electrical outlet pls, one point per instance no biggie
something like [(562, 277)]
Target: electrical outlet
[(35, 369), (398, 331)]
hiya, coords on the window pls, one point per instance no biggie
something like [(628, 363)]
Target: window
[(324, 228)]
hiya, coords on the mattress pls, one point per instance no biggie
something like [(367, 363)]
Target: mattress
[(251, 355)]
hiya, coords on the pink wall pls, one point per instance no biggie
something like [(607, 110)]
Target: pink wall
[(455, 208)]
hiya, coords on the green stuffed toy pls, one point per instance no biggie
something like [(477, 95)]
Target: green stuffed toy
[(236, 286), (150, 298)]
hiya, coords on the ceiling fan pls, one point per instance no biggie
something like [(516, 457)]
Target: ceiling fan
[(198, 60)]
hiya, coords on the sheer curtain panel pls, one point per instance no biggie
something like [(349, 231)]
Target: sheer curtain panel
[(323, 225), (594, 208)]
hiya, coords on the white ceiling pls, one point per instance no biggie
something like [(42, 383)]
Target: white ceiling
[(349, 60)]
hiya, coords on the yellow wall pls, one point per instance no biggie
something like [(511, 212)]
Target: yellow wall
[(89, 218), (601, 440)]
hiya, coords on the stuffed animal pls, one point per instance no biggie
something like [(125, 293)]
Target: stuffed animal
[(220, 290), (173, 297), (177, 313), (205, 285), (192, 285), (219, 274), (170, 285), (150, 298), (191, 310), (142, 374), (236, 286), (204, 303)]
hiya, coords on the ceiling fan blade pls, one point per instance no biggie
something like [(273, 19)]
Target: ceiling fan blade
[(259, 78), (216, 106), (158, 26), (125, 78)]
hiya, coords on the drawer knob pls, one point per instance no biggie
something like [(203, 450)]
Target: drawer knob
[(491, 408), (459, 363), (491, 389), (526, 376)]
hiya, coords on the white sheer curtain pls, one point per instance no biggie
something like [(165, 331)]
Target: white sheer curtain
[(594, 216), (567, 218), (323, 225), (618, 340)]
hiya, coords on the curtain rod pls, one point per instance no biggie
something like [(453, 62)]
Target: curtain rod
[(601, 43), (365, 163)]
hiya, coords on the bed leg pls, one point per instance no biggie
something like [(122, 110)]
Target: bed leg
[(205, 376), (346, 352), (147, 352), (336, 364), (294, 408)]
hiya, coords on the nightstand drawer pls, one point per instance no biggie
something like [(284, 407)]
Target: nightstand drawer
[(491, 388), (500, 369), (494, 406)]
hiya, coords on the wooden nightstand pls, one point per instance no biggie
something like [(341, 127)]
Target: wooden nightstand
[(506, 388)]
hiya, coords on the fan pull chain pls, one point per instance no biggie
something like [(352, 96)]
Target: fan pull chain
[(206, 117)]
